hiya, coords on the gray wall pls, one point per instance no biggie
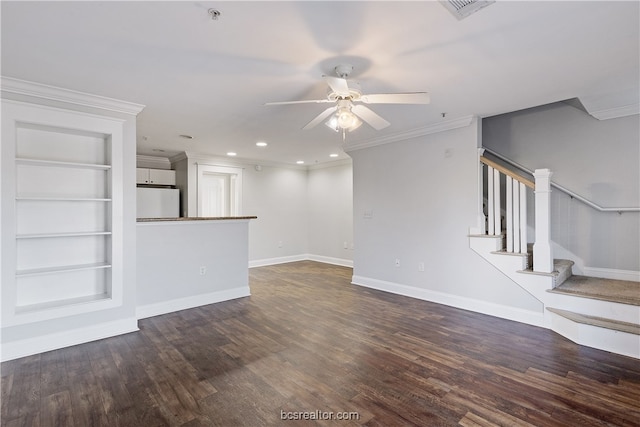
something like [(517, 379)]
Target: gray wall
[(330, 207), (422, 196), (598, 160)]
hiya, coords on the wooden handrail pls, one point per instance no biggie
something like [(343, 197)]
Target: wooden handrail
[(507, 172)]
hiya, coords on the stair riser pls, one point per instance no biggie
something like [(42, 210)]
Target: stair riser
[(597, 337), (600, 308)]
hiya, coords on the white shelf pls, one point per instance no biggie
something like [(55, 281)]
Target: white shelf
[(61, 269), (55, 163), (70, 234), (60, 199), (22, 309)]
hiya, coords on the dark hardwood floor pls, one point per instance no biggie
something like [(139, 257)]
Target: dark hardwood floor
[(307, 343)]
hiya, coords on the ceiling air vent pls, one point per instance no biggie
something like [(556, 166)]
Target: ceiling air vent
[(463, 8)]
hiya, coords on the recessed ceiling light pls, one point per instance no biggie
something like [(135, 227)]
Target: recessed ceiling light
[(231, 153), (186, 136), (300, 162), (333, 155), (261, 144)]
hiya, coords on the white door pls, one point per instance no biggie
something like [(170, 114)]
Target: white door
[(219, 191), (214, 194)]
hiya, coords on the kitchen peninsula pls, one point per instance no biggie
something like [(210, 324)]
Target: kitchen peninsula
[(190, 261)]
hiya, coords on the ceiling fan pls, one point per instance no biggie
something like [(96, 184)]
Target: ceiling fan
[(348, 113)]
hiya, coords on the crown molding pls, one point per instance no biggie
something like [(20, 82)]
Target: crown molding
[(155, 162), (616, 112), (402, 136), (10, 85), (333, 164), (243, 162)]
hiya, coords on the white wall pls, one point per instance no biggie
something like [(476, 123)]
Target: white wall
[(330, 207), (171, 254), (422, 197), (278, 197), (599, 160)]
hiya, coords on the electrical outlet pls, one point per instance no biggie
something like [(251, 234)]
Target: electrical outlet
[(280, 243), (397, 262), (203, 270), (345, 245), (421, 266)]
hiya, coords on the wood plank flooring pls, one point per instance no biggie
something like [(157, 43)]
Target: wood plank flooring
[(307, 343)]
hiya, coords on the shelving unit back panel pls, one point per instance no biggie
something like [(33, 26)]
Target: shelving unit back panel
[(61, 216), (44, 181), (45, 143), (62, 251), (61, 287)]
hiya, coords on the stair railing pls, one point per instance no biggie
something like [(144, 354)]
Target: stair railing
[(515, 207), (565, 190)]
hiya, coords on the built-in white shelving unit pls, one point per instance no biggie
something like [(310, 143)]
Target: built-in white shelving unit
[(63, 255), (67, 217)]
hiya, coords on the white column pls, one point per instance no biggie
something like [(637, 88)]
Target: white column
[(542, 256), (481, 221)]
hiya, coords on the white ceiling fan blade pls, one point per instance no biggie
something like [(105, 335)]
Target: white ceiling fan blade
[(320, 117), (338, 85), (370, 117), (396, 98), (305, 101)]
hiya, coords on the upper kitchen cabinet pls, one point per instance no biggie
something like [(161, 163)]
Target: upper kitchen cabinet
[(155, 176)]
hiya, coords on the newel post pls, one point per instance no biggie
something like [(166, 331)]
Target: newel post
[(542, 256), (481, 219)]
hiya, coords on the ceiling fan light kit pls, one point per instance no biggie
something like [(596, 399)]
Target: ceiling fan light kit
[(347, 116)]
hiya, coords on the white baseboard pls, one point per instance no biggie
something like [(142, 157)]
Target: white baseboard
[(301, 257), (516, 314), (164, 307), (610, 273), (279, 260), (27, 347), (331, 260)]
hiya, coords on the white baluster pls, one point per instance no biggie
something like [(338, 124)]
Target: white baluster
[(496, 201), (510, 233), (516, 217), (542, 256), (523, 218), (490, 199)]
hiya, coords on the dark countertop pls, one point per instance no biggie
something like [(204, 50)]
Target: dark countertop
[(216, 218)]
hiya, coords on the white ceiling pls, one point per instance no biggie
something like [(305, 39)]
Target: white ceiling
[(210, 78)]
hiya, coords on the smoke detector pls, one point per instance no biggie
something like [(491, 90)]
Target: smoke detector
[(463, 8)]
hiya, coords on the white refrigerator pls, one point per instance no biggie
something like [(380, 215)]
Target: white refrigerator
[(158, 202)]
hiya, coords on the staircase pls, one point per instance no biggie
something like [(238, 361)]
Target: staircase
[(594, 312)]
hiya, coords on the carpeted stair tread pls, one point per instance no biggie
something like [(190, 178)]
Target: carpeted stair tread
[(561, 271), (622, 291), (631, 328)]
